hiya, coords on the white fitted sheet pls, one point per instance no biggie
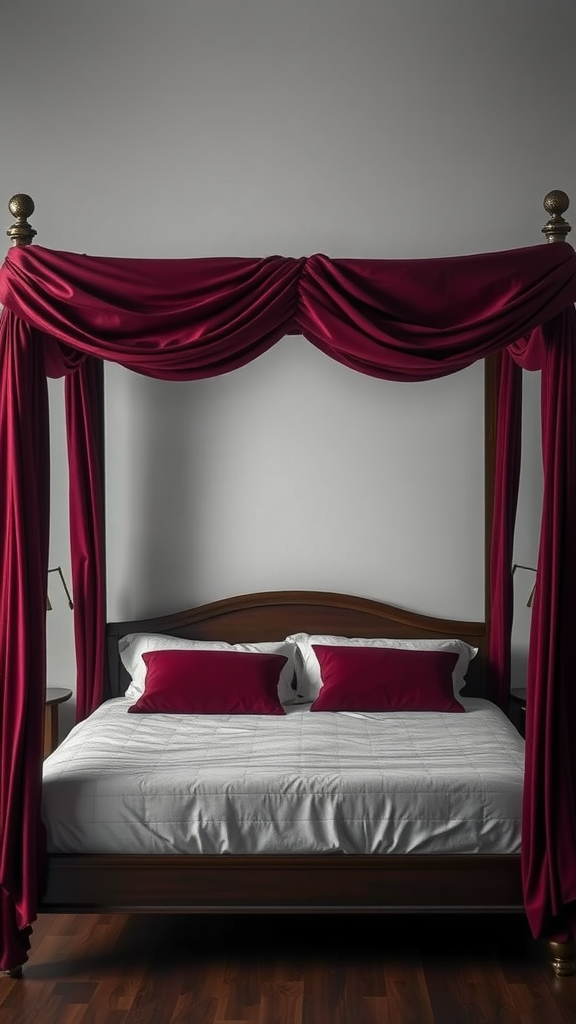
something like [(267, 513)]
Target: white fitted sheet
[(345, 782)]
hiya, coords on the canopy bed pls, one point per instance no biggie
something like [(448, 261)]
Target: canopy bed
[(63, 315)]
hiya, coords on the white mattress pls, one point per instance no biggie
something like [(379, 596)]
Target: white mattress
[(305, 783)]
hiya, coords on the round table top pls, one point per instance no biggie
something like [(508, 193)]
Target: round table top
[(518, 692), (57, 694)]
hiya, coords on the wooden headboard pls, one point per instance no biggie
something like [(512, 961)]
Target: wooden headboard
[(275, 614)]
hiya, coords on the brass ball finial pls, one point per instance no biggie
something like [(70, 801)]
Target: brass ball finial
[(556, 203), (21, 207)]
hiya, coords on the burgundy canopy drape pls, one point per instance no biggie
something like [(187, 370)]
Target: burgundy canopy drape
[(549, 814), (187, 319), (25, 505)]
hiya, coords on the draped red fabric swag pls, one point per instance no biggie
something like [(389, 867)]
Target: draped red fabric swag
[(409, 320)]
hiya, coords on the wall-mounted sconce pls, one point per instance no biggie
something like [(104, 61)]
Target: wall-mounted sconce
[(58, 569), (528, 568)]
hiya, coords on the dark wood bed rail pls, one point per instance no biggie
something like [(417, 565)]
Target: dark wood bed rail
[(315, 883)]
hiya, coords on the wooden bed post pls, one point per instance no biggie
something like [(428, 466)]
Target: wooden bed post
[(21, 207), (562, 954), (556, 202)]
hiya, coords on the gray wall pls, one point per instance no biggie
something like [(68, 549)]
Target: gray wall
[(361, 128)]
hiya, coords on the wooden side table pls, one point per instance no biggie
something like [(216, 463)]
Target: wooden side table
[(518, 708), (55, 695)]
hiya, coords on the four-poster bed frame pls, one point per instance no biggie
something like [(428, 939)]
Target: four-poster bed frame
[(305, 883)]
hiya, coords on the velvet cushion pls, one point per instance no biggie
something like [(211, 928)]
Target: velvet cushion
[(134, 646), (308, 675), (385, 679), (199, 682)]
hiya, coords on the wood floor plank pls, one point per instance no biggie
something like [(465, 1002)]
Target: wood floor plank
[(281, 1003), (115, 994), (564, 994), (365, 989), (75, 991), (476, 996), (18, 998), (535, 1003), (174, 969), (374, 1010), (202, 992), (48, 1011), (155, 1000), (408, 1001), (71, 1013), (241, 995), (321, 994)]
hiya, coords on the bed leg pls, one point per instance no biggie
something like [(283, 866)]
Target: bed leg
[(12, 972), (563, 958)]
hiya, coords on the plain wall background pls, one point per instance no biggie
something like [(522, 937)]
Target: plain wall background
[(360, 128)]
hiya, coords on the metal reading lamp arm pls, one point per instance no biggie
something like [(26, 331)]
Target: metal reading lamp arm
[(58, 569), (528, 568)]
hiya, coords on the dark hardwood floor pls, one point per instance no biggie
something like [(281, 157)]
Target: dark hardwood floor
[(172, 969)]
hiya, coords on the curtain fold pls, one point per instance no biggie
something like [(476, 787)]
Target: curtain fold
[(412, 320), (549, 812), (84, 399), (188, 319), (170, 319), (25, 509), (506, 486)]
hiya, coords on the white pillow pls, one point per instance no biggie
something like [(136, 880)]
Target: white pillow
[(307, 666), (132, 646)]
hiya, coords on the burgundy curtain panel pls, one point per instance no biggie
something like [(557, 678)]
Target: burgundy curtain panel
[(549, 814), (506, 486), (188, 319), (84, 397), (25, 505)]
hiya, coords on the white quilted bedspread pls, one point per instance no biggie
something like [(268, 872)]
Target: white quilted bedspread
[(304, 783)]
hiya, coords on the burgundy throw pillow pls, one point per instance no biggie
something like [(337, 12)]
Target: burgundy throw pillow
[(385, 679), (211, 683)]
